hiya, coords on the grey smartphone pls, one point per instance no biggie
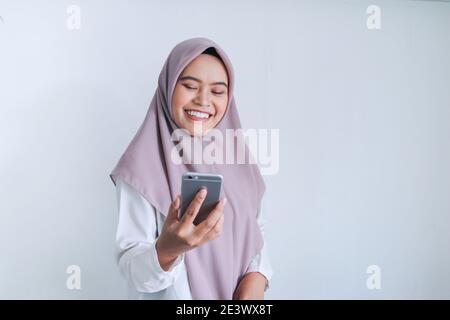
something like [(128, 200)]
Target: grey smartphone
[(191, 184)]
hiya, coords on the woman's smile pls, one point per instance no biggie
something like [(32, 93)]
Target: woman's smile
[(197, 115)]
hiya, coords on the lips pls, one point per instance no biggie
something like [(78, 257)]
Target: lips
[(197, 115)]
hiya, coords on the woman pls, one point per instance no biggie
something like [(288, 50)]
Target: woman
[(161, 255)]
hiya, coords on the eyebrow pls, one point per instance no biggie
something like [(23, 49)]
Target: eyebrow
[(198, 80)]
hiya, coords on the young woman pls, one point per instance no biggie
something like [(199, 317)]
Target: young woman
[(161, 255)]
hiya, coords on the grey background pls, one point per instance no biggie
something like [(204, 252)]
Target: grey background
[(364, 137)]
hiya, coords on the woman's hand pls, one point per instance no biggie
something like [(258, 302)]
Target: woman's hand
[(251, 287), (180, 235)]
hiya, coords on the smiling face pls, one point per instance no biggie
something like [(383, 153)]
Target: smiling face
[(201, 94)]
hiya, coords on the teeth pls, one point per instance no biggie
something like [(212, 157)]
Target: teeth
[(198, 114)]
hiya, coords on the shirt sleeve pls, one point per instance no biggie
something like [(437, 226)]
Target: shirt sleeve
[(260, 262), (136, 236)]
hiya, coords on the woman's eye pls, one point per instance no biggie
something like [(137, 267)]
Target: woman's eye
[(218, 93), (189, 87)]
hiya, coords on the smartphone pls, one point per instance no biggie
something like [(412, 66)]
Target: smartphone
[(191, 183)]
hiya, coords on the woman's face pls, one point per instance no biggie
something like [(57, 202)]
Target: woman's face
[(201, 94)]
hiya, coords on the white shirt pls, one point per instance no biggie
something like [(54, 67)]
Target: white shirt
[(137, 231)]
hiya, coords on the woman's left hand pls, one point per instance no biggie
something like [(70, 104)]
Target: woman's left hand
[(251, 287)]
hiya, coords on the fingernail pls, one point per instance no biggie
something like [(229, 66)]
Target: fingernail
[(203, 192)]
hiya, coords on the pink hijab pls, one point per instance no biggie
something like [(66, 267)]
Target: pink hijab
[(215, 268)]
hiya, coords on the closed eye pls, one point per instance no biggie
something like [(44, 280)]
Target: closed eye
[(189, 87)]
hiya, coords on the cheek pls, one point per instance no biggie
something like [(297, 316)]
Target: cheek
[(221, 106), (179, 100)]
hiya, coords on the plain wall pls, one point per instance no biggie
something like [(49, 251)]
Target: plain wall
[(364, 120)]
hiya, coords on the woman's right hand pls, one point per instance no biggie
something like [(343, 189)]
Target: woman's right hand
[(180, 235)]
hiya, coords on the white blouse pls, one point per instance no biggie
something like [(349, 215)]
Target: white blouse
[(137, 231)]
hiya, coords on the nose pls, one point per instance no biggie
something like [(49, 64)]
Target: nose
[(202, 99)]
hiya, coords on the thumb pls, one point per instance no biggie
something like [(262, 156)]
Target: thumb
[(173, 210)]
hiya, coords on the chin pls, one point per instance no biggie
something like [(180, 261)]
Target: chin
[(199, 132), (190, 127)]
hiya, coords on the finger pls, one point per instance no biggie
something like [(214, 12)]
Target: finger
[(172, 215), (194, 207), (215, 231), (206, 225)]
